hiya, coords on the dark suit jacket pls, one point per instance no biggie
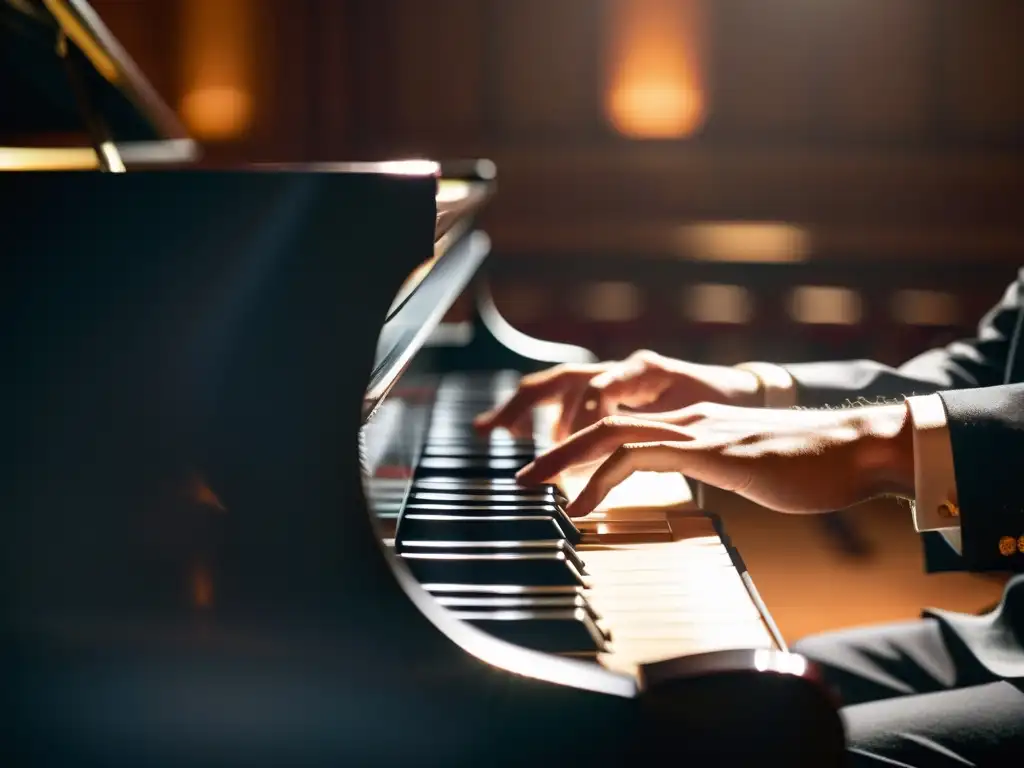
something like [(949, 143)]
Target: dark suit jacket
[(981, 383)]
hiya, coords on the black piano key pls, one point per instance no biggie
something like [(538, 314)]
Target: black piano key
[(478, 453), (427, 527), (448, 440), (544, 569), (483, 547), (478, 486), (562, 632), (451, 484), (482, 499), (479, 602), (440, 589), (467, 435), (466, 467), (546, 604), (457, 449), (554, 511)]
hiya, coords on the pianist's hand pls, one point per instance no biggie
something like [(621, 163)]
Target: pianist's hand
[(788, 460), (645, 382)]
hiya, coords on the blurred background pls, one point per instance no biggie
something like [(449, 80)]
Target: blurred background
[(721, 180)]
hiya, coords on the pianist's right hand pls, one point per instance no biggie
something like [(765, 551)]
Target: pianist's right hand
[(645, 382)]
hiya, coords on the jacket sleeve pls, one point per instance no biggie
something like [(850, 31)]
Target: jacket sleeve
[(986, 429), (982, 361)]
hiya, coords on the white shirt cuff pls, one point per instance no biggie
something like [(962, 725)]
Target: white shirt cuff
[(777, 385), (934, 472)]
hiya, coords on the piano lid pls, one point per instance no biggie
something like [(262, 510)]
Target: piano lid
[(462, 191), (40, 105)]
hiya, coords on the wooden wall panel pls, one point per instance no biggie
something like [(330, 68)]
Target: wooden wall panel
[(875, 80), (148, 32), (332, 66), (438, 94), (764, 62), (982, 68), (546, 69), (416, 74), (284, 86), (282, 83)]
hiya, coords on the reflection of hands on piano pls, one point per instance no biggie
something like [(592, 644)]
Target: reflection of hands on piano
[(788, 460), (644, 382)]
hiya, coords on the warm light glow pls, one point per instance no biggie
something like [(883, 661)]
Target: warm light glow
[(744, 241), (411, 167), (452, 191), (916, 307), (47, 159), (780, 662), (217, 55), (201, 493), (84, 158), (825, 305), (712, 303), (655, 58), (217, 113), (635, 498), (202, 587), (610, 302)]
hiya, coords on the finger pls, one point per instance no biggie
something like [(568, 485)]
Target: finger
[(635, 383), (627, 459), (535, 389), (660, 404), (712, 417), (586, 404), (629, 382), (595, 442), (567, 418), (587, 408)]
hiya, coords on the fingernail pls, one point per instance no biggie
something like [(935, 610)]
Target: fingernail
[(524, 472)]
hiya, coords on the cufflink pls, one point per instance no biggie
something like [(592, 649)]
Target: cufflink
[(1008, 545)]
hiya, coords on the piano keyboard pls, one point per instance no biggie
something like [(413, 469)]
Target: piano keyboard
[(646, 577)]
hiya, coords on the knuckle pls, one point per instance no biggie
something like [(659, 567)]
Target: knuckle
[(614, 423), (644, 355), (532, 380), (646, 359)]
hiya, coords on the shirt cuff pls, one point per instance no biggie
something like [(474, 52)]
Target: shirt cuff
[(778, 386), (935, 497)]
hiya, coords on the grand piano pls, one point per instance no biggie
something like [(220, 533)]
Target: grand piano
[(247, 521)]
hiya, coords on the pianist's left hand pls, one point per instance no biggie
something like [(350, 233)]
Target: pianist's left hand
[(798, 461)]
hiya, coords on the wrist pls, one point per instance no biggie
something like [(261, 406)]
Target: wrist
[(884, 449)]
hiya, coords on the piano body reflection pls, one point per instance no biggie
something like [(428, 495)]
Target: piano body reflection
[(247, 521)]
